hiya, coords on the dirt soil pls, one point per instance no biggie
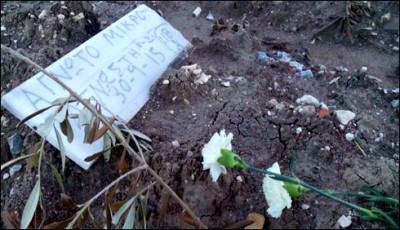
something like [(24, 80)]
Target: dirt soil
[(264, 130)]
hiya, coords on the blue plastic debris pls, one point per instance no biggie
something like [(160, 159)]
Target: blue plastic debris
[(305, 74), (15, 143), (262, 56), (283, 56)]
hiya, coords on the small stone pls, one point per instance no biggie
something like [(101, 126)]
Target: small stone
[(397, 90), (189, 154), (196, 12), (395, 103), (166, 82), (78, 17), (15, 142), (6, 176), (276, 85), (42, 14), (15, 168), (299, 130), (395, 48), (226, 84), (344, 221), (307, 100), (3, 28), (344, 116), (175, 143), (271, 103), (349, 137), (171, 112), (239, 178), (280, 106), (5, 121), (327, 148), (363, 69), (61, 16), (305, 206), (308, 110)]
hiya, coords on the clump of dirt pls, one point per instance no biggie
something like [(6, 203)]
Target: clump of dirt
[(253, 99)]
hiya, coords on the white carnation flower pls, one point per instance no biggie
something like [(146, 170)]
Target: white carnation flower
[(275, 194), (212, 151)]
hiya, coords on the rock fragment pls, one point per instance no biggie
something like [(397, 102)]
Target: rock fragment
[(344, 116), (308, 100)]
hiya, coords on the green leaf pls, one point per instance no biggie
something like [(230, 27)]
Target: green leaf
[(138, 134), (130, 218), (62, 149), (372, 190), (57, 175), (30, 206), (85, 117), (107, 147), (61, 113), (67, 130), (45, 128), (59, 225), (292, 165), (14, 161), (122, 210)]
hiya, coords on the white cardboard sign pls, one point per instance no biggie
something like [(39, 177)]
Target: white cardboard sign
[(117, 67)]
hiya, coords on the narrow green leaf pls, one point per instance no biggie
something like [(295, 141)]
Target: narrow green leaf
[(372, 190), (67, 130), (122, 210), (292, 165), (59, 225), (85, 117), (130, 218), (62, 150), (61, 113), (137, 134), (112, 136), (57, 175), (30, 206), (107, 145), (14, 161)]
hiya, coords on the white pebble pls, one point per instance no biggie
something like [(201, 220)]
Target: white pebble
[(327, 148), (166, 82), (344, 116), (3, 28), (6, 176), (239, 178), (344, 221), (349, 137), (363, 69), (226, 84), (61, 16), (42, 14), (305, 206), (298, 130), (308, 100), (175, 143), (78, 17)]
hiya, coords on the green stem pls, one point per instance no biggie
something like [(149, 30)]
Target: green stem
[(388, 200), (297, 181)]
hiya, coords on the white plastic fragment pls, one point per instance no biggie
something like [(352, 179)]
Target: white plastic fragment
[(196, 12), (210, 17), (344, 221), (344, 116), (297, 65), (349, 137), (308, 100)]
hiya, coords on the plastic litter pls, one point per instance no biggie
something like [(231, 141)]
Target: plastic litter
[(305, 74), (210, 17), (283, 56), (262, 56), (297, 65)]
